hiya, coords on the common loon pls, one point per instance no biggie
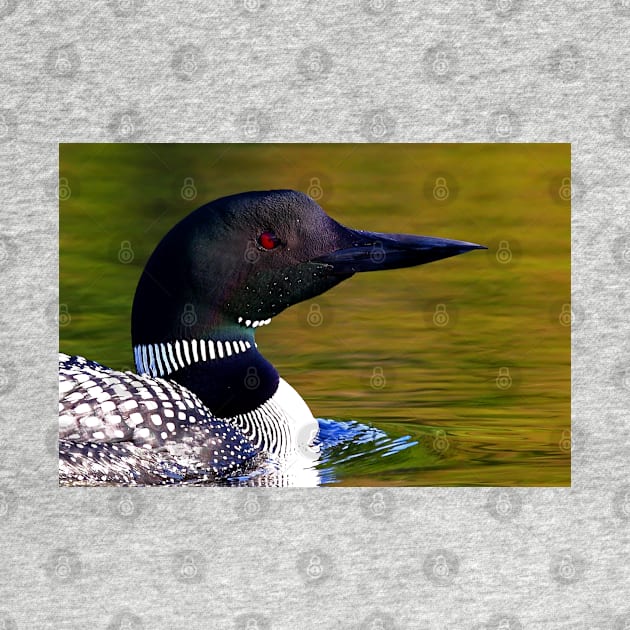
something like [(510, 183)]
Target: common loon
[(205, 404)]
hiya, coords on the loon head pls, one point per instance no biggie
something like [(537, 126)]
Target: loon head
[(235, 263)]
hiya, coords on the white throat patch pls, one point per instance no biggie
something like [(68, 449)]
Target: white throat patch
[(161, 359)]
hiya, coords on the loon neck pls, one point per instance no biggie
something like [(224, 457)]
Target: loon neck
[(225, 371)]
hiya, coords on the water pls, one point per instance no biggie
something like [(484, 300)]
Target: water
[(460, 369)]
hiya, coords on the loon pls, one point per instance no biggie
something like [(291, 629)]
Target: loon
[(205, 404)]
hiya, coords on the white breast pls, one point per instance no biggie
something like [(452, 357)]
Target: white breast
[(283, 426)]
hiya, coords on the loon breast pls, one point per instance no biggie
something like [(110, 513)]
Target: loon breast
[(124, 428)]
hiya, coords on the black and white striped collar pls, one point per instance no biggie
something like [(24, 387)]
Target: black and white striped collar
[(161, 359)]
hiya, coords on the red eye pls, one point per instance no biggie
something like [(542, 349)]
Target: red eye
[(268, 240)]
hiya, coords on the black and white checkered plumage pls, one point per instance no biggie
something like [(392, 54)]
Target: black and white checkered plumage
[(123, 428)]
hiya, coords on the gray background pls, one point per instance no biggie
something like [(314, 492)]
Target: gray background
[(331, 71)]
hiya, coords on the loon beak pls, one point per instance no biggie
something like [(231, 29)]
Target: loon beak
[(373, 251)]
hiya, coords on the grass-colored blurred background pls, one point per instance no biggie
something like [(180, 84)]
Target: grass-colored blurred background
[(413, 351)]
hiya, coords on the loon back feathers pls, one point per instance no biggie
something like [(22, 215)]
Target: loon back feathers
[(140, 429)]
